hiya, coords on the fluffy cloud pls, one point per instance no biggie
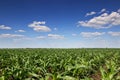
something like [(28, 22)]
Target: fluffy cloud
[(20, 31), (114, 33), (91, 13), (5, 27), (105, 20), (91, 34), (11, 36), (55, 36), (39, 26)]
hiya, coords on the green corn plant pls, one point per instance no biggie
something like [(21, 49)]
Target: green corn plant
[(59, 64), (2, 78), (110, 72)]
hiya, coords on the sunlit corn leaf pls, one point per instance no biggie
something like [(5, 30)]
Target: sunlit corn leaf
[(2, 78)]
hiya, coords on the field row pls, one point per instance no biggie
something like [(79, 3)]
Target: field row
[(59, 64)]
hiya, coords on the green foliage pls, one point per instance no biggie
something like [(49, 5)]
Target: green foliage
[(59, 64)]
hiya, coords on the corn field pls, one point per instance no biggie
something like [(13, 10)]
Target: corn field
[(60, 64)]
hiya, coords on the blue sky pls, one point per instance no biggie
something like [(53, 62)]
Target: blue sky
[(59, 24)]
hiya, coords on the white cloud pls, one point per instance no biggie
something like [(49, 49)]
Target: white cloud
[(103, 10), (55, 36), (105, 20), (5, 27), (41, 37), (24, 39), (91, 34), (91, 13), (11, 36), (51, 36), (20, 31), (39, 26), (114, 33), (118, 10)]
